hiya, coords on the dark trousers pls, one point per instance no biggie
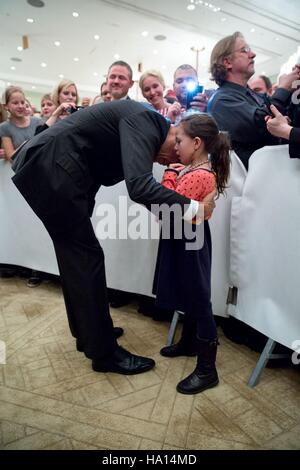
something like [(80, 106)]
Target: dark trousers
[(81, 265)]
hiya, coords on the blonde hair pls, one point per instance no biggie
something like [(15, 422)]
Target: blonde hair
[(151, 73), (63, 84), (9, 91)]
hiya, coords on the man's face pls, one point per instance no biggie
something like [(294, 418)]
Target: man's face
[(181, 80), (258, 85), (241, 62), (118, 82), (167, 153)]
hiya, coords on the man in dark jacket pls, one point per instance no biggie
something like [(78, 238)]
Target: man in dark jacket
[(59, 172), (236, 108)]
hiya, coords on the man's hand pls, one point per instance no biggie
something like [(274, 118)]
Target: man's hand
[(199, 102), (206, 207), (279, 124), (286, 81)]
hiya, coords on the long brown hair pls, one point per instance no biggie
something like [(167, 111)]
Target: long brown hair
[(217, 144)]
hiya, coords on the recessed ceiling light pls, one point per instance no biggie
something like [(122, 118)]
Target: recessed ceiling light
[(19, 48), (36, 3), (116, 56), (276, 39), (252, 30), (263, 73), (43, 64), (76, 59), (96, 36), (33, 87), (57, 43), (164, 67), (145, 33), (13, 67), (61, 75), (191, 7), (155, 52), (30, 20), (75, 14), (95, 74), (8, 83), (223, 19)]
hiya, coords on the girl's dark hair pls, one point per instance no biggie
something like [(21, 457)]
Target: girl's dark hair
[(217, 144)]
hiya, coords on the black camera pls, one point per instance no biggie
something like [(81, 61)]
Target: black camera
[(192, 93), (72, 110)]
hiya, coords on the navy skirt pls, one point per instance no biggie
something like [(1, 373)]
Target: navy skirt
[(182, 279)]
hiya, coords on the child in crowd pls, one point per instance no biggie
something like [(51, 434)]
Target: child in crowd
[(183, 271), (47, 107)]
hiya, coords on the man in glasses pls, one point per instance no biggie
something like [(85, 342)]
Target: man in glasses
[(236, 108)]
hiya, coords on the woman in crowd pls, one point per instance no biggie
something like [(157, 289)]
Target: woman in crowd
[(152, 85), (64, 97)]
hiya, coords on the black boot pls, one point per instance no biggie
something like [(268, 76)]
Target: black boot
[(205, 375), (187, 345)]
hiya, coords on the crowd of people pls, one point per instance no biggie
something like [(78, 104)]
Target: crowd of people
[(244, 113)]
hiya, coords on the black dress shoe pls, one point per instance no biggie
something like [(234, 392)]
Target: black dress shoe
[(120, 298), (178, 349), (123, 362), (118, 331)]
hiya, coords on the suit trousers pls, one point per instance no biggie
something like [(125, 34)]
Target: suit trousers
[(81, 265)]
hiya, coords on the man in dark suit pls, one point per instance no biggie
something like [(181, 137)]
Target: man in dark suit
[(59, 172)]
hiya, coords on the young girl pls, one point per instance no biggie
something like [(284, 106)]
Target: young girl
[(19, 126), (182, 278)]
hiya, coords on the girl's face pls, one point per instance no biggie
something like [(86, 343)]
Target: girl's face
[(16, 104), (28, 109), (184, 146), (47, 108), (153, 91), (68, 95)]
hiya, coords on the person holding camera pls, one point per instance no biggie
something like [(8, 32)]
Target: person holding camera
[(236, 108), (186, 86), (65, 98)]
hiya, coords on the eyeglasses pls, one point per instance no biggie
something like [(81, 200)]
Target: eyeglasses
[(244, 50)]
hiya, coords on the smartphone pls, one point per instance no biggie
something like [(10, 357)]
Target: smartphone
[(191, 94), (267, 103)]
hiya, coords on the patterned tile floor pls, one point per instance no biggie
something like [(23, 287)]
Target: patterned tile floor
[(51, 399)]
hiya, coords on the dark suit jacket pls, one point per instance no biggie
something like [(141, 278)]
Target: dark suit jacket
[(60, 170), (242, 112)]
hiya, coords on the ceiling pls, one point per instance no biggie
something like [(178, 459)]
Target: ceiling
[(271, 28)]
